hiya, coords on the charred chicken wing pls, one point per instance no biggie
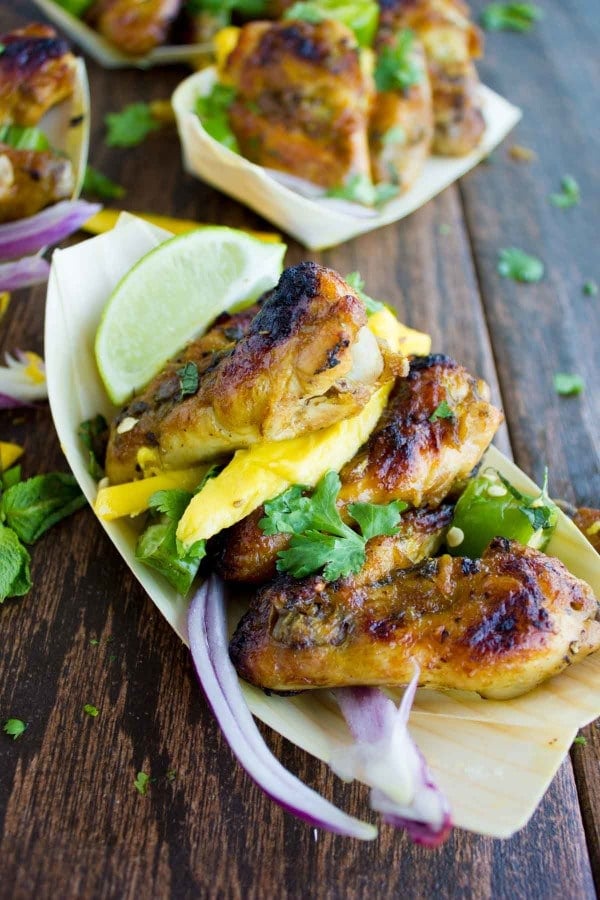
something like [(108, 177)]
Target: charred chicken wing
[(31, 180), (451, 42), (498, 626), (134, 26), (306, 361), (36, 72), (302, 100), (411, 456)]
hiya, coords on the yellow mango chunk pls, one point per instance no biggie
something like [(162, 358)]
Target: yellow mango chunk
[(9, 454), (224, 42), (267, 469), (106, 219), (386, 326), (132, 498)]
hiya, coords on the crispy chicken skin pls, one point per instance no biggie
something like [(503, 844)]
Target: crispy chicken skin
[(451, 42), (302, 100), (588, 522), (401, 128), (37, 71), (243, 553), (306, 361), (498, 626), (31, 180), (408, 457), (134, 26)]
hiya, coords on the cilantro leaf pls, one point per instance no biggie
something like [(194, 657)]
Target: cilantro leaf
[(590, 288), (320, 538), (98, 185), (580, 740), (375, 519), (31, 507), (541, 511), (442, 411), (213, 112), (360, 189), (569, 195), (14, 728), (24, 137), (510, 16), (93, 434), (91, 710), (189, 380), (173, 503), (77, 8), (518, 265), (396, 68), (357, 284), (141, 783), (567, 384), (131, 126), (15, 576)]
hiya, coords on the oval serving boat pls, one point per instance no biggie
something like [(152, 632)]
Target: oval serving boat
[(493, 759), (300, 208), (105, 53)]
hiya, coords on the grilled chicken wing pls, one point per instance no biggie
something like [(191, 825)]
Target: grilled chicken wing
[(451, 42), (31, 180), (302, 99), (243, 553), (498, 626), (134, 26), (36, 72), (401, 126), (408, 457), (307, 360)]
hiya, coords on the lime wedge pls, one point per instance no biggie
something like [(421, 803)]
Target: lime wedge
[(172, 294)]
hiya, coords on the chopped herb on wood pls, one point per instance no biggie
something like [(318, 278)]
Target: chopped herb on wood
[(520, 266)]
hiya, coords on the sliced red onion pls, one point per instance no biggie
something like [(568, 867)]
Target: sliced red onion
[(208, 643), (48, 227), (386, 758), (23, 273)]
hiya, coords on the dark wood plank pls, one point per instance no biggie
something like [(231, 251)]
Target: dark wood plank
[(552, 326), (71, 822)]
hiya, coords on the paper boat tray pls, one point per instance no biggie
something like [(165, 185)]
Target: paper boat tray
[(494, 759), (105, 53), (318, 222), (67, 126)]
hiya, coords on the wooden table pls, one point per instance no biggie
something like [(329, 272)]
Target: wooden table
[(71, 822)]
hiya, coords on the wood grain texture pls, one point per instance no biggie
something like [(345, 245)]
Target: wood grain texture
[(71, 822)]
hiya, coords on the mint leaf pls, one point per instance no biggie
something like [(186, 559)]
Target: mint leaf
[(569, 195), (93, 434), (213, 112), (442, 411), (567, 384), (396, 68), (131, 126), (14, 728), (375, 519), (510, 16), (98, 185), (10, 477), (518, 265), (15, 577), (31, 507)]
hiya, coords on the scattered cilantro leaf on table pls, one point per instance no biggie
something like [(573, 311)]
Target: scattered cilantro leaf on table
[(567, 384), (569, 195), (580, 740), (510, 16), (590, 288), (96, 184), (520, 266), (130, 126), (321, 540), (14, 728), (91, 710), (141, 783)]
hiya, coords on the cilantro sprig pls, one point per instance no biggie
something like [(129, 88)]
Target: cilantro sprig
[(568, 384), (130, 126), (510, 16), (321, 540), (520, 266), (569, 194), (14, 728), (396, 68)]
